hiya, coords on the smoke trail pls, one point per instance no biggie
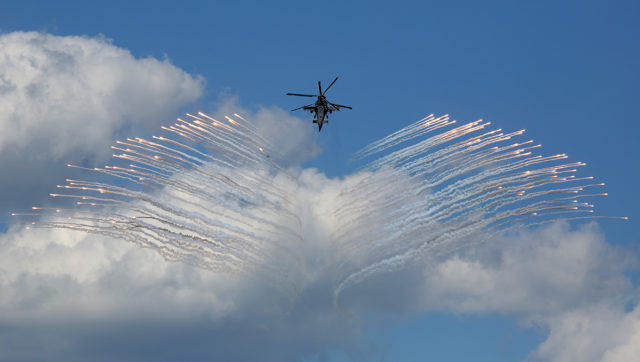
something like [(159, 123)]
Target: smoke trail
[(214, 194)]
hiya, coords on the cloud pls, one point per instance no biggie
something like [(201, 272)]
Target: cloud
[(60, 94), (56, 274), (627, 333), (598, 332), (532, 273), (64, 99), (107, 298), (568, 281)]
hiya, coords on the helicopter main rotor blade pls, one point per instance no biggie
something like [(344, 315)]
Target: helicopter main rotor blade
[(301, 95), (340, 105), (319, 88), (325, 91)]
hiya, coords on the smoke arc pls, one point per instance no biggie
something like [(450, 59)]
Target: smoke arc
[(216, 194)]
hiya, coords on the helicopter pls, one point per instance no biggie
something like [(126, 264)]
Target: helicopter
[(322, 108)]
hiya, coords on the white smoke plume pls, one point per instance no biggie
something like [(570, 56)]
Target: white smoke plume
[(216, 194)]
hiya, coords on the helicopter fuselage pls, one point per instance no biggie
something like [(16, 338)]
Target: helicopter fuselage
[(320, 110)]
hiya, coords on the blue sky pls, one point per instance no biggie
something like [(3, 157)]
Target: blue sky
[(567, 72)]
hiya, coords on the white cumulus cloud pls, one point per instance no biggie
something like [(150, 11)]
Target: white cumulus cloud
[(533, 273), (73, 93), (65, 99)]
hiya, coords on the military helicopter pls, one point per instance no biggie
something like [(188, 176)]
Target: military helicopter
[(322, 108)]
